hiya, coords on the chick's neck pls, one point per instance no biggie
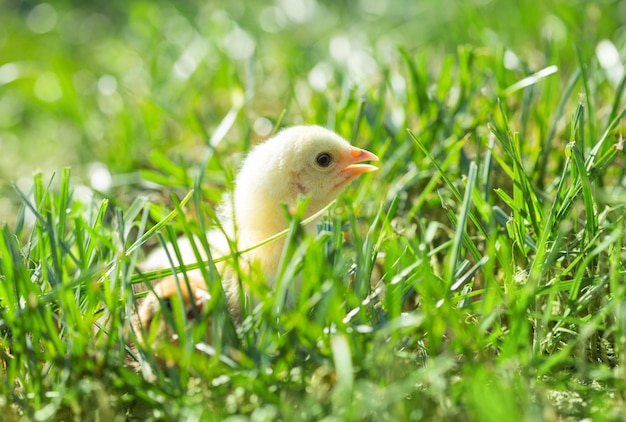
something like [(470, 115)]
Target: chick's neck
[(257, 217)]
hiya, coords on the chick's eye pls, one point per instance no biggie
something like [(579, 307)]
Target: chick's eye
[(324, 159)]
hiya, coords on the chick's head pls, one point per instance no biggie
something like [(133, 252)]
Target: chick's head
[(300, 161)]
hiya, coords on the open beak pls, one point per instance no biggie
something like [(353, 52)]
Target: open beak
[(353, 166)]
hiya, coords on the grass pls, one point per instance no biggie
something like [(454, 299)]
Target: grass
[(478, 275)]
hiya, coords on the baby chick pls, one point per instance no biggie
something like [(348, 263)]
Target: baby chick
[(299, 161)]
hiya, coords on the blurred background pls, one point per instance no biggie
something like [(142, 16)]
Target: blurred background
[(102, 86)]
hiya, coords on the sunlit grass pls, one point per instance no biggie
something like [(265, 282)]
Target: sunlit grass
[(478, 275)]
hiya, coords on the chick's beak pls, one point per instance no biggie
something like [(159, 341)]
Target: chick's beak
[(352, 164)]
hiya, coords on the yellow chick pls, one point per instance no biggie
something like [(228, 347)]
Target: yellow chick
[(299, 161)]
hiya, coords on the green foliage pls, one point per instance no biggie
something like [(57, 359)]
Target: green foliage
[(478, 275)]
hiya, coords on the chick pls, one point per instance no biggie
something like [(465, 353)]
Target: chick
[(299, 161)]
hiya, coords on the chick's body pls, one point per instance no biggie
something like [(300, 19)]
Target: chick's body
[(299, 161)]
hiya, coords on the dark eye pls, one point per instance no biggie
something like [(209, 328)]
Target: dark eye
[(324, 159)]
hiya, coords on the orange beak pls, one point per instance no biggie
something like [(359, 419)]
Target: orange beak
[(353, 166)]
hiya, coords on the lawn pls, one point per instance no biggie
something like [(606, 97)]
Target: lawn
[(477, 275)]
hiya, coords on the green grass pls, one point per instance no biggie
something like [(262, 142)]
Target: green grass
[(478, 275)]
